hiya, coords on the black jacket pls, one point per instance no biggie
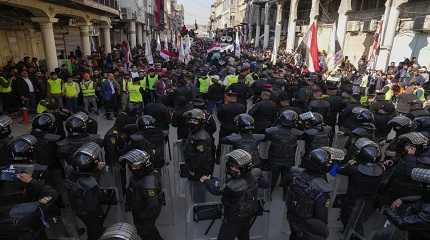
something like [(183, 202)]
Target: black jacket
[(264, 113)]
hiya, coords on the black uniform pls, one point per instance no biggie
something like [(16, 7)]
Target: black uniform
[(246, 141), (178, 119), (145, 200), (161, 114), (21, 218), (241, 206), (225, 115), (282, 150), (317, 137), (199, 152), (264, 113), (307, 202), (321, 106), (153, 141), (66, 147)]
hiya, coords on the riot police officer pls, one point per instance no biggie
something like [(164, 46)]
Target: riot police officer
[(84, 192), (44, 128), (199, 151), (283, 144), (144, 196), (77, 130), (422, 125), (410, 213), (245, 139), (414, 153), (308, 195), (149, 138), (239, 195), (365, 175), (316, 133), (5, 138), (226, 113), (25, 200)]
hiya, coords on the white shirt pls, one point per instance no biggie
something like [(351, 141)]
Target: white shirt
[(29, 84), (112, 87)]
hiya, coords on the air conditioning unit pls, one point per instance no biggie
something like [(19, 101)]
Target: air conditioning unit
[(370, 26), (422, 24), (353, 26)]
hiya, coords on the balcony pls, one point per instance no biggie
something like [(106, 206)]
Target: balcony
[(104, 7)]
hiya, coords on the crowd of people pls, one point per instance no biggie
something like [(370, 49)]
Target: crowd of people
[(371, 126)]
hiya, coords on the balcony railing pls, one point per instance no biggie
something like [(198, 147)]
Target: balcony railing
[(109, 3)]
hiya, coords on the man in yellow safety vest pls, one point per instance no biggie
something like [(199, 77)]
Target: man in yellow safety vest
[(135, 96), (71, 93), (55, 90), (231, 78), (88, 89), (126, 81), (149, 85), (203, 84), (5, 92)]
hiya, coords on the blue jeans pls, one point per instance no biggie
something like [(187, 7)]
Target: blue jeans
[(72, 104)]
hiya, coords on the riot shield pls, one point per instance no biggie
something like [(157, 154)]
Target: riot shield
[(263, 150), (167, 215), (300, 152), (340, 138), (219, 170), (179, 186)]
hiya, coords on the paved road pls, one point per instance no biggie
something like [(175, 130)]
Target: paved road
[(175, 222)]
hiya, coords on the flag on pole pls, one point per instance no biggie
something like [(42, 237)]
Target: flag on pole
[(237, 45), (309, 48), (127, 58), (335, 50), (374, 49), (158, 43), (148, 52), (166, 54), (181, 51)]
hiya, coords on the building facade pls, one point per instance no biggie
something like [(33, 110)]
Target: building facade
[(405, 34)]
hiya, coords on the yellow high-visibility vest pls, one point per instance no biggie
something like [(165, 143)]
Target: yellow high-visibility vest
[(88, 88), (41, 108), (125, 84), (134, 94), (4, 81), (54, 86), (204, 83), (151, 82), (70, 89), (232, 79)]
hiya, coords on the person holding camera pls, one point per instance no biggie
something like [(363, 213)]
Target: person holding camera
[(309, 195), (85, 195), (24, 199), (144, 196), (239, 195)]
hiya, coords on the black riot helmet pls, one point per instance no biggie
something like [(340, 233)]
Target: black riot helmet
[(422, 124), (422, 176), (401, 124), (312, 119), (288, 118), (138, 161), (244, 122), (146, 122), (320, 160), (120, 231), (362, 115), (22, 149), (195, 118), (44, 123), (5, 124), (364, 130), (238, 160), (86, 158), (366, 150), (415, 139), (76, 125)]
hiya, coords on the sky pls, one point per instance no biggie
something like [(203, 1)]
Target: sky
[(196, 10)]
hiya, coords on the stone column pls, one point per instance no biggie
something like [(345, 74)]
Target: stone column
[(250, 17), (132, 33), (345, 6), (46, 26), (266, 25), (291, 34), (390, 33), (278, 29), (106, 38), (85, 39), (139, 34), (315, 11), (257, 27)]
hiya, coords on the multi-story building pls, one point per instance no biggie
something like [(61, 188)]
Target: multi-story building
[(51, 29), (406, 24)]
